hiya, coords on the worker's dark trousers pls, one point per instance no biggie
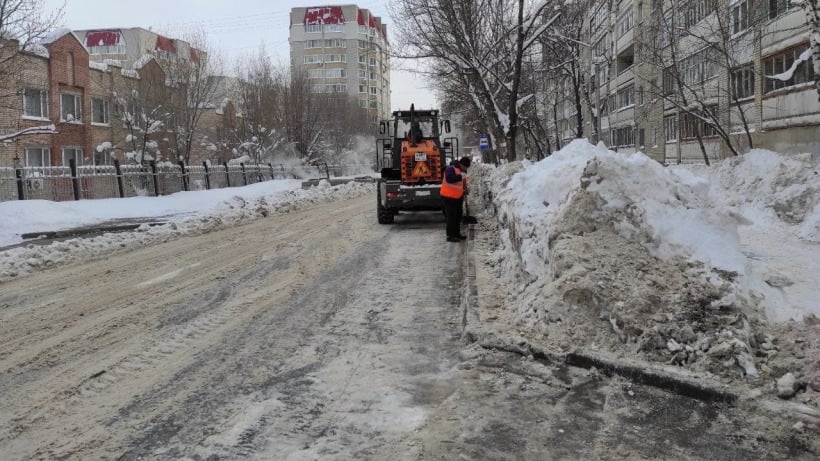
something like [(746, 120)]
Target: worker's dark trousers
[(453, 211)]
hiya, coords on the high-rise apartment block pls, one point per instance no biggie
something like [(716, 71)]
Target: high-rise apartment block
[(675, 78), (343, 49)]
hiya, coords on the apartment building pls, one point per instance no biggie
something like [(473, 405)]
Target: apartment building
[(343, 49), (126, 47), (681, 79), (88, 102)]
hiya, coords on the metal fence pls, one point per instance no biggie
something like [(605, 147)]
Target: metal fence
[(63, 183)]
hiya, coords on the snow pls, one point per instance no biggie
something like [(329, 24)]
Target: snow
[(185, 213), (756, 215), (805, 56), (709, 268)]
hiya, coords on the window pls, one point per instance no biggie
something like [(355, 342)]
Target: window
[(694, 123), (35, 103), (363, 74), (641, 137), (72, 153), (601, 47), (698, 67), (333, 28), (363, 30), (362, 45), (71, 108), (362, 59), (780, 64), (102, 157), (372, 61), (670, 83), (692, 11), (103, 49), (315, 73), (362, 88), (313, 28), (624, 136), (743, 82), (670, 125), (335, 58), (38, 156), (740, 16), (313, 58), (639, 96), (625, 24), (99, 111), (777, 7), (667, 33), (373, 90), (313, 44), (599, 17), (335, 73), (336, 43), (625, 97)]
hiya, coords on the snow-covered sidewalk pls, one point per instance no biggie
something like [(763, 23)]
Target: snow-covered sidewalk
[(184, 212)]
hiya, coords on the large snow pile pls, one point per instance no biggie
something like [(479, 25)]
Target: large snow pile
[(674, 264), (186, 213)]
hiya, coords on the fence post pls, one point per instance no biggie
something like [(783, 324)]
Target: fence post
[(184, 176), (19, 174), (227, 174), (244, 174), (207, 176), (272, 174), (154, 176), (118, 171), (75, 181)]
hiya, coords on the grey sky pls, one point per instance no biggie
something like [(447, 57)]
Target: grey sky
[(236, 27)]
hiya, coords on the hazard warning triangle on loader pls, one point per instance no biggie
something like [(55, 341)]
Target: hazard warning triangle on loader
[(421, 170)]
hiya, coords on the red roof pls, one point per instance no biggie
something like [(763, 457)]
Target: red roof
[(373, 22), (165, 44), (324, 15), (360, 17), (194, 55), (103, 38)]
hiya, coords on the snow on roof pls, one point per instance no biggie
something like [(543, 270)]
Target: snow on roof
[(130, 73), (98, 65), (142, 61), (109, 37), (54, 35), (324, 15)]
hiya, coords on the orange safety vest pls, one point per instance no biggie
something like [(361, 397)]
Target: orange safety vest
[(453, 189)]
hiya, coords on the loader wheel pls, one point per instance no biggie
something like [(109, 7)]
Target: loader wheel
[(383, 215)]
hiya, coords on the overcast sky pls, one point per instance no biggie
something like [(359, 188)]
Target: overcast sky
[(235, 27)]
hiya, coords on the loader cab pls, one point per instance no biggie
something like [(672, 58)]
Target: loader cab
[(414, 126)]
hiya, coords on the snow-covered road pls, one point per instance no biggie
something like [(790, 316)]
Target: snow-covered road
[(314, 334)]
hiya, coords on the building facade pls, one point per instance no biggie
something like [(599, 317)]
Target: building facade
[(126, 47), (343, 49), (683, 79), (92, 104)]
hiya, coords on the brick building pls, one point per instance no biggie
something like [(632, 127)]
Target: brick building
[(91, 103)]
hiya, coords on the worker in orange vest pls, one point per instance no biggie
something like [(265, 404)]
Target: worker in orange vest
[(453, 188)]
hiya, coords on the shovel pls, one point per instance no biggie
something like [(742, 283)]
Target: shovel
[(467, 219)]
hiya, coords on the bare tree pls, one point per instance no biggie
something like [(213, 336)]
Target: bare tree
[(478, 44), (23, 25), (191, 91), (261, 99), (143, 111)]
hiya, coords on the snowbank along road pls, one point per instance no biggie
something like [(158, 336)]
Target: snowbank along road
[(310, 335)]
